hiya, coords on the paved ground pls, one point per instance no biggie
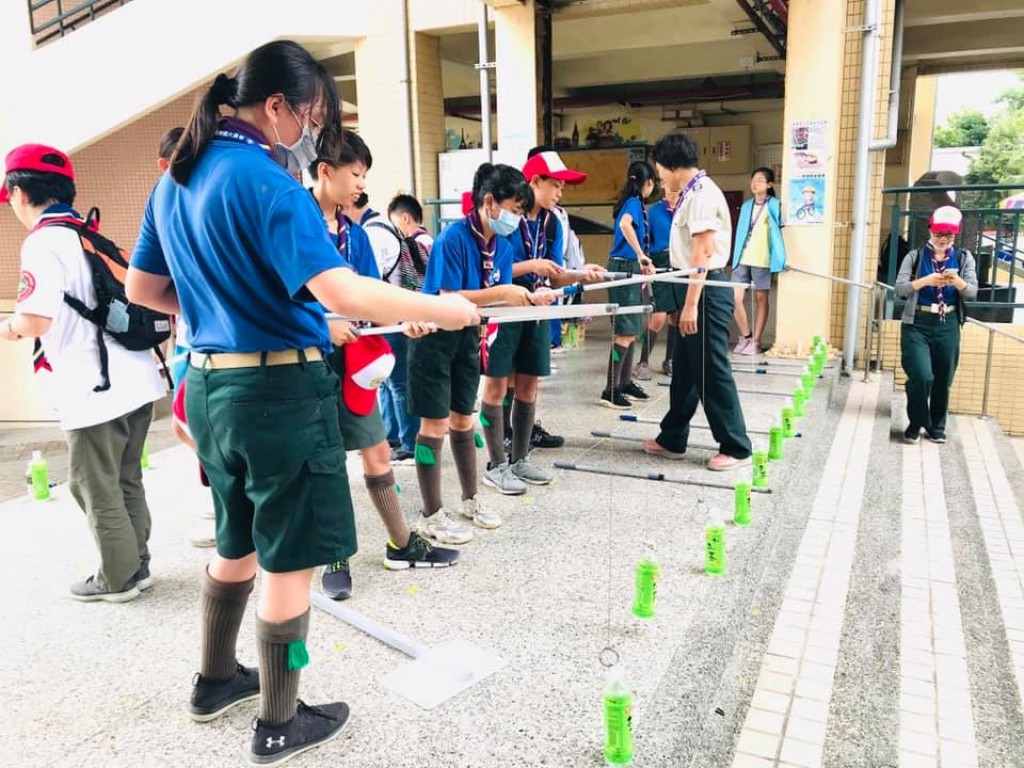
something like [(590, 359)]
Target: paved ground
[(873, 614)]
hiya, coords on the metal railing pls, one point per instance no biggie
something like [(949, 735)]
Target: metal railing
[(992, 331), (438, 220), (51, 19)]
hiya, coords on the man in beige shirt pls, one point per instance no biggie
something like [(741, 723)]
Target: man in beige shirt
[(701, 371)]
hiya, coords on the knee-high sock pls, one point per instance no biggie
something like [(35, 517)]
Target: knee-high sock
[(428, 471), (615, 359), (492, 418), (464, 451), (522, 428), (384, 496), (650, 339), (279, 674), (626, 372), (223, 606), (506, 407)]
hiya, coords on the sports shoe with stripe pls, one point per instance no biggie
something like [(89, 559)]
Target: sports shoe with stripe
[(418, 553), (443, 527)]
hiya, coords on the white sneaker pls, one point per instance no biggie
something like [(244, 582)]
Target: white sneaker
[(203, 534), (473, 510), (444, 528)]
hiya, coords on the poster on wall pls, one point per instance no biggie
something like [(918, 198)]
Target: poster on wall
[(805, 171), (805, 200)]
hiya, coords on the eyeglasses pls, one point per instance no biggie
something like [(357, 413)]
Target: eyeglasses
[(943, 234)]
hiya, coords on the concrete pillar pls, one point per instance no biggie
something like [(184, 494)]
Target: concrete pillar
[(381, 95), (517, 88), (813, 80), (427, 112), (922, 129)]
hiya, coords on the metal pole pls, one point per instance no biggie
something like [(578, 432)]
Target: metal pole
[(862, 176), (879, 319), (867, 336), (988, 374), (410, 168), (485, 82)]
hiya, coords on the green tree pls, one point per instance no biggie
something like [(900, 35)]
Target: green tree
[(1002, 153), (963, 129)]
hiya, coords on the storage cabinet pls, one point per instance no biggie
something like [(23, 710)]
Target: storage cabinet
[(724, 149)]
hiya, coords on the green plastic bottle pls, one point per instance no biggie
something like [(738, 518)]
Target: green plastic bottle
[(807, 379), (618, 718), (145, 456), (788, 416), (775, 440), (714, 547), (647, 572), (798, 402), (760, 469), (741, 510), (40, 472)]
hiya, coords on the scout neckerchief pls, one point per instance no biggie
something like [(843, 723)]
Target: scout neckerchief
[(647, 226), (939, 267), (671, 208), (486, 247), (538, 249), (343, 239)]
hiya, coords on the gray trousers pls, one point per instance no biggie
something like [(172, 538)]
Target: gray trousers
[(105, 477)]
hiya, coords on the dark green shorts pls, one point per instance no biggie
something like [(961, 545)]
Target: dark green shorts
[(520, 348), (357, 432), (444, 373), (269, 441), (627, 296), (667, 297)]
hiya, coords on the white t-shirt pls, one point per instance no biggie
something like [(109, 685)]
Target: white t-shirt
[(703, 210), (52, 262), (386, 246)]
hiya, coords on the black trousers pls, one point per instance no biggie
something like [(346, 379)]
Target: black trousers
[(702, 373)]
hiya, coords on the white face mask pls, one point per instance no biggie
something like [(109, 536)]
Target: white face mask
[(506, 223), (299, 155)]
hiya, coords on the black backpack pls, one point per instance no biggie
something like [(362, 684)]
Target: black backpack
[(134, 327), (412, 256)]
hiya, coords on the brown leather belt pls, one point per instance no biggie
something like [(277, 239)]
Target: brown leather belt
[(223, 360)]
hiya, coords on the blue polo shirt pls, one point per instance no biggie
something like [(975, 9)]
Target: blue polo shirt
[(360, 253), (620, 248), (455, 263), (552, 250), (661, 225), (240, 242)]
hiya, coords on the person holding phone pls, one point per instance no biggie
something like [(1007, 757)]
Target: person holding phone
[(936, 280)]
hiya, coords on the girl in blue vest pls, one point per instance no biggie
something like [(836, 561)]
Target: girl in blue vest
[(630, 253), (758, 254), (935, 280), (234, 243)]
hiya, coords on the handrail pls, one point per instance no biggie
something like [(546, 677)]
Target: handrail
[(951, 188), (65, 21), (992, 331), (833, 278)]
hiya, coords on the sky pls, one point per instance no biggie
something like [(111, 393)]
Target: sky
[(971, 90)]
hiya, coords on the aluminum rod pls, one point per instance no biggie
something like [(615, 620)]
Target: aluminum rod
[(656, 476)]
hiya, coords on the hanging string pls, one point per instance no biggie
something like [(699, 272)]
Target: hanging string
[(609, 657)]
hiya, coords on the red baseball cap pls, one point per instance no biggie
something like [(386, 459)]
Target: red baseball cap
[(368, 362), (946, 219), (550, 164), (35, 157)]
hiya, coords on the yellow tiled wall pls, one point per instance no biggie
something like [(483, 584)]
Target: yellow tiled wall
[(1005, 403), (115, 175), (846, 167)]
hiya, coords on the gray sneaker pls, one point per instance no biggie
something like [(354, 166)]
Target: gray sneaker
[(642, 372), (531, 473), (501, 479)]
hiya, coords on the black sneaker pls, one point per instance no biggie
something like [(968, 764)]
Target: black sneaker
[(403, 457), (311, 727), (89, 591), (418, 553), (666, 367), (634, 391), (212, 698), (912, 435), (541, 438), (936, 435), (614, 400), (142, 578), (336, 581)]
